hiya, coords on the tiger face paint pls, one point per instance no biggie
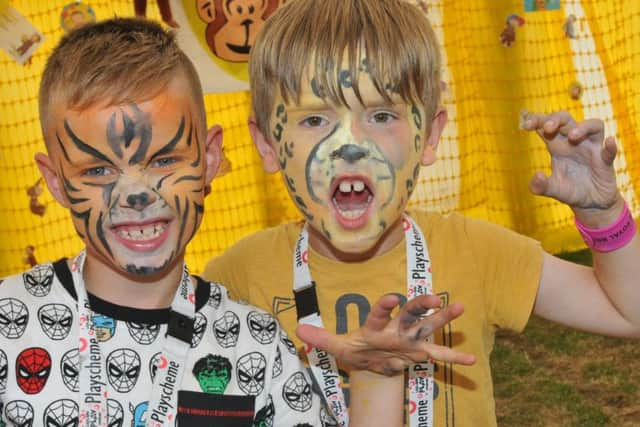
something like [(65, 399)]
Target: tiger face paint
[(350, 169), (133, 178)]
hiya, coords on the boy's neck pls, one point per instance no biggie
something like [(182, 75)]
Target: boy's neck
[(110, 285), (393, 236)]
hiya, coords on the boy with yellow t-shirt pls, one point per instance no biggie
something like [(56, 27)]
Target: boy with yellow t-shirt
[(346, 102)]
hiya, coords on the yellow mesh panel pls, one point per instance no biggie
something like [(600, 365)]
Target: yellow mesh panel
[(484, 163)]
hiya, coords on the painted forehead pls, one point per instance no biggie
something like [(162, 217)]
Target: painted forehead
[(130, 132), (314, 90)]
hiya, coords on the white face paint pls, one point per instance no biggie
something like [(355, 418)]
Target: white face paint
[(349, 169)]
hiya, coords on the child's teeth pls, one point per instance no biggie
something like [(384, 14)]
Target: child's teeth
[(144, 233), (345, 186), (358, 186)]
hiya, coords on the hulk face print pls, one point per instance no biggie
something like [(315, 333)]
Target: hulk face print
[(133, 177), (350, 168)]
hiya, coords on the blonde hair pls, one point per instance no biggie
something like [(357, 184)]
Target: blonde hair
[(114, 62), (400, 47)]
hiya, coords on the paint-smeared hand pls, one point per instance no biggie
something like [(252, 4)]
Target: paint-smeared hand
[(388, 345), (582, 172)]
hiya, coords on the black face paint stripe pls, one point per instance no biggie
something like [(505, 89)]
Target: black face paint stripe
[(177, 200), (199, 210), (80, 145), (64, 150), (100, 234), (67, 185), (196, 162), (311, 159), (184, 221), (75, 201), (188, 178), (112, 138), (172, 144), (84, 216), (107, 190), (161, 180)]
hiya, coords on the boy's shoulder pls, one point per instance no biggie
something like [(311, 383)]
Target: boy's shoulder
[(219, 300), (37, 282), (266, 242)]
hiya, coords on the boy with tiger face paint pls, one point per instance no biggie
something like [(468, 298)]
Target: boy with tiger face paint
[(131, 165), (133, 177), (346, 106)]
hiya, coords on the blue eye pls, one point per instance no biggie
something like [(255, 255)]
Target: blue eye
[(165, 161), (314, 121), (97, 171)]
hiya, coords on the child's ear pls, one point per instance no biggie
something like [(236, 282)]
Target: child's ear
[(50, 175), (213, 153), (263, 144), (432, 139)]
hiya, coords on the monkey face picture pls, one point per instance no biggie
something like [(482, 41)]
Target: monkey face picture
[(232, 25)]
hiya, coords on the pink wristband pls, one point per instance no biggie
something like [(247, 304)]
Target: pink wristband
[(612, 237)]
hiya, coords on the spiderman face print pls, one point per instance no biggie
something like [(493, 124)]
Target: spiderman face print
[(33, 367), (14, 317)]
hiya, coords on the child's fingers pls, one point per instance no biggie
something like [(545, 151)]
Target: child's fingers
[(315, 336), (586, 129), (609, 151), (423, 328), (449, 355), (558, 122), (539, 184), (416, 308), (380, 314)]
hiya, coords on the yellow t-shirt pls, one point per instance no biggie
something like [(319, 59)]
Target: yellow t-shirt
[(491, 270)]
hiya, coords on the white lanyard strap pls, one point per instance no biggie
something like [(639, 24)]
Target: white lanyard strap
[(419, 282), (162, 408), (323, 365)]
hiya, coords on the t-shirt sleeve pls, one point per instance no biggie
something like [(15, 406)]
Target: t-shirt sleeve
[(294, 400), (227, 269), (510, 265)]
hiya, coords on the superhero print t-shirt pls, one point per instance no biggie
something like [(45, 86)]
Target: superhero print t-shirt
[(241, 370)]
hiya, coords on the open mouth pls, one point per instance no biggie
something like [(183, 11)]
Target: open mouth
[(352, 197), (142, 236)]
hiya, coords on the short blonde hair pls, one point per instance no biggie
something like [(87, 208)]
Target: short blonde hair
[(400, 47), (114, 62)]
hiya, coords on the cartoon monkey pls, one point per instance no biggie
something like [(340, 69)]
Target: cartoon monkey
[(232, 25)]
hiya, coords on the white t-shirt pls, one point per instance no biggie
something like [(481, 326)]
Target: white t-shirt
[(242, 369)]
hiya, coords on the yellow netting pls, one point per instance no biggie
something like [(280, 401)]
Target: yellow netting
[(485, 161)]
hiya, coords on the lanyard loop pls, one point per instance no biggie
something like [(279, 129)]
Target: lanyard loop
[(162, 408), (324, 366)]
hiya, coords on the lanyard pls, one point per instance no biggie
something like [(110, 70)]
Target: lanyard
[(162, 409), (324, 366)]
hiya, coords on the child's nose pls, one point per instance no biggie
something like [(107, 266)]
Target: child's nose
[(350, 153), (139, 201)]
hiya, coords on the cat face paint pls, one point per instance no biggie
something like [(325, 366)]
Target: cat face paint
[(349, 169), (133, 178)]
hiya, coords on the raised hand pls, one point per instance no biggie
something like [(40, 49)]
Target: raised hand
[(582, 173), (388, 345)]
